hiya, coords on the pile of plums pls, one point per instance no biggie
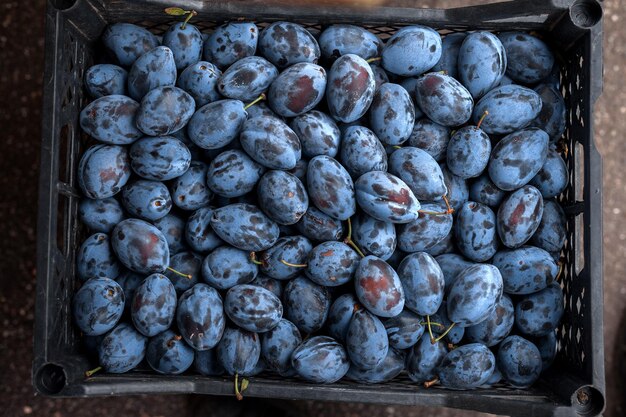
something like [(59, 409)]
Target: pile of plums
[(323, 205)]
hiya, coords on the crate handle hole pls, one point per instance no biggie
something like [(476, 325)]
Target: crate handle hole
[(63, 4), (588, 401), (585, 13), (50, 379)]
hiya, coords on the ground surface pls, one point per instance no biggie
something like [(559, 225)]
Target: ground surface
[(21, 63)]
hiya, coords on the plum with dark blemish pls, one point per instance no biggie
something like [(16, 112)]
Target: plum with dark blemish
[(98, 306), (484, 191), (374, 237), (419, 171), (105, 80), (331, 264), (330, 187), (530, 59), (451, 265), (245, 227), (153, 305), (450, 46), (318, 226), (386, 197), (165, 110), (95, 259), (378, 287), (247, 78), (482, 62), (140, 246), (291, 249), (474, 294), (392, 114), (122, 349), (547, 346), (111, 120), (425, 231), (100, 215), (342, 39), (239, 351), (217, 124), (272, 285), (518, 157), (185, 41), (282, 197), (350, 88), (444, 324), (159, 159), (270, 142), (200, 317), (205, 363), (340, 316), (306, 304), (553, 177), (458, 188), (539, 313), (466, 367), (278, 344), (551, 118), (362, 151), (253, 308), (366, 340), (233, 174), (320, 359), (129, 281), (286, 43), (168, 354), (187, 263), (198, 231), (381, 77), (424, 358), (389, 368), (190, 191), (496, 326), (445, 245), (468, 152), (147, 200), (430, 137), (475, 232), (412, 51), (404, 330), (125, 42), (443, 99), (299, 171), (519, 361), (231, 42), (318, 134), (200, 81), (155, 68), (226, 267), (423, 283), (519, 216), (173, 228), (525, 270), (511, 108), (297, 89), (551, 233)]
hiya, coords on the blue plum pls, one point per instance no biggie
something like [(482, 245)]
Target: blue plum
[(551, 233), (226, 267), (200, 317), (419, 171), (340, 315), (238, 351), (129, 281), (392, 114), (530, 59), (458, 189), (200, 81), (519, 361), (278, 344), (299, 171), (318, 134), (285, 44), (551, 118), (331, 264), (450, 46), (411, 51), (155, 68), (270, 142), (95, 259), (168, 354), (443, 99), (97, 306), (446, 245), (126, 42), (350, 88), (539, 313), (427, 230), (190, 191), (430, 137), (510, 107), (206, 363), (306, 304), (342, 39), (188, 263), (424, 359), (233, 173), (282, 197), (444, 324), (468, 152), (198, 231), (362, 151), (185, 41), (519, 216), (297, 89), (105, 80), (122, 349), (474, 294), (484, 191), (292, 249), (378, 287), (553, 177), (230, 43), (272, 285), (404, 330), (366, 340), (386, 197), (148, 200), (245, 227), (496, 327), (374, 237), (320, 359), (140, 246), (153, 305), (525, 270), (547, 346), (330, 188), (159, 159), (475, 232), (100, 215), (164, 110), (467, 367), (247, 78), (111, 120), (451, 265), (253, 308), (482, 62), (389, 368), (317, 225), (423, 283), (381, 77), (217, 124)]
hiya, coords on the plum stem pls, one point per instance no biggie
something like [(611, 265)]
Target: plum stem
[(254, 260), (432, 323), (430, 330), (176, 338), (252, 103), (480, 121), (237, 393), (397, 147), (561, 269), (378, 58), (284, 262), (92, 371), (449, 209), (348, 240), (430, 383), (444, 333), (190, 14), (188, 276)]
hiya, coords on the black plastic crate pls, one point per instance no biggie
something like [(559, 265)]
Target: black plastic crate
[(575, 383)]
